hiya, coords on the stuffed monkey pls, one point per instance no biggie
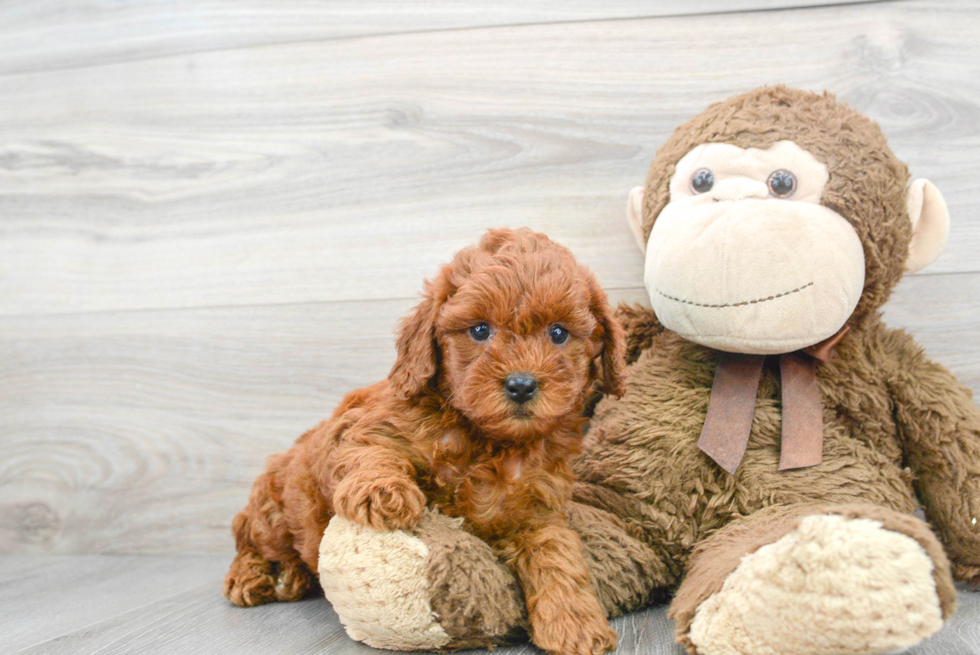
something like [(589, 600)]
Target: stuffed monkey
[(764, 466)]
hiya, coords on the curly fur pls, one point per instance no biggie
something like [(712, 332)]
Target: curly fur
[(441, 431), (900, 433)]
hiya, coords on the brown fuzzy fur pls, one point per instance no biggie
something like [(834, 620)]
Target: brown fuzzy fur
[(900, 432), (441, 430)]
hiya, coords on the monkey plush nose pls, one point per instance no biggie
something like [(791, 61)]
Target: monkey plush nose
[(520, 388), (739, 189)]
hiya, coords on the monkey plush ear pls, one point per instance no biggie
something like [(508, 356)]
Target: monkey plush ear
[(634, 214), (930, 224), (417, 360)]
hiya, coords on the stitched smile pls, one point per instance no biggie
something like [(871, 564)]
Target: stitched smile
[(737, 304)]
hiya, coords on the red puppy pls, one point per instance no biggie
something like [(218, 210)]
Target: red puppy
[(481, 416)]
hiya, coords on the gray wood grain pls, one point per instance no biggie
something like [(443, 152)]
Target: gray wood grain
[(49, 34), (141, 432), (345, 170), (213, 213), (966, 625), (193, 618), (43, 598), (943, 313), (120, 605)]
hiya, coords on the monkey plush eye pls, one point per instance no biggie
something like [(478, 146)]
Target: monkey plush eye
[(782, 183), (702, 181), (558, 334), (480, 332)]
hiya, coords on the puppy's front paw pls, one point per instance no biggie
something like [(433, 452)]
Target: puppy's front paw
[(562, 627), (383, 502)]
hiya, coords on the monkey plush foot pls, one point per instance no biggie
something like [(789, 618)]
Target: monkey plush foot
[(830, 584), (432, 587)]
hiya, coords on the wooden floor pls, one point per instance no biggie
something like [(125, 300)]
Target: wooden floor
[(212, 214), (162, 605)]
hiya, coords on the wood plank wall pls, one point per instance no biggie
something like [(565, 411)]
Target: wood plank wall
[(213, 213)]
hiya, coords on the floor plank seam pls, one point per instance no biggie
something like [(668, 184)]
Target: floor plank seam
[(639, 288), (247, 306)]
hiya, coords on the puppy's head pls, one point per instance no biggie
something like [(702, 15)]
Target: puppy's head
[(512, 333)]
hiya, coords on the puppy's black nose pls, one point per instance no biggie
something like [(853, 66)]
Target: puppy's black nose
[(520, 388)]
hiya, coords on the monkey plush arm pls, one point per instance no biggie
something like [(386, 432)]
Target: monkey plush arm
[(940, 429), (641, 325)]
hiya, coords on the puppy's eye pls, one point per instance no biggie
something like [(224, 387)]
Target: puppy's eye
[(702, 181), (480, 332), (558, 334)]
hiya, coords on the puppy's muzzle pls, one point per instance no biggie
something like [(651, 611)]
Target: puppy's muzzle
[(520, 387)]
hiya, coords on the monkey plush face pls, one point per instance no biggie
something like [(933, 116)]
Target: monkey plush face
[(773, 242), (723, 261)]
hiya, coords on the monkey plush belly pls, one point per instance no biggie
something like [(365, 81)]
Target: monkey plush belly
[(643, 447)]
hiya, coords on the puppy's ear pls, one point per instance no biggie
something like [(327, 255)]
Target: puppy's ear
[(613, 354), (418, 355)]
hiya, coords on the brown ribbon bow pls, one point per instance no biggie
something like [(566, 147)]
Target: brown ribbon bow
[(727, 426)]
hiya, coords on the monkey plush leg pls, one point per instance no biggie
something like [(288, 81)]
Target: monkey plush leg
[(386, 587), (844, 580)]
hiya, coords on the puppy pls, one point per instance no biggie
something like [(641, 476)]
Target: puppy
[(481, 416)]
